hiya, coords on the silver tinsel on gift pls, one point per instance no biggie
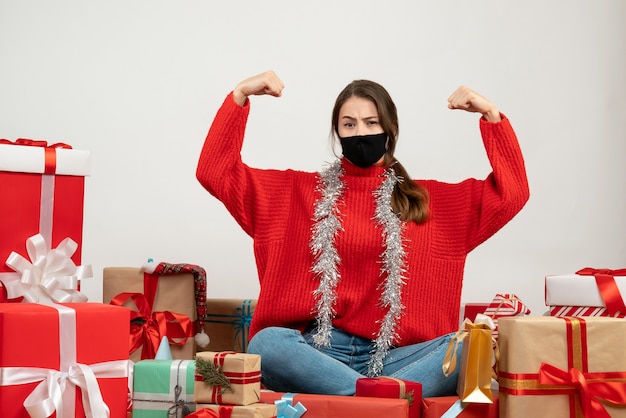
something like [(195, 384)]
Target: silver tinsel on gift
[(326, 265)]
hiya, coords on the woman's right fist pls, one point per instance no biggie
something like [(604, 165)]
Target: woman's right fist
[(258, 85)]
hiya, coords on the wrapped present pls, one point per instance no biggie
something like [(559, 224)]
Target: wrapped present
[(589, 287), (163, 388), (503, 305), (390, 387), (227, 323), (255, 410), (166, 300), (227, 378), (562, 367), (470, 310), (48, 277), (324, 406), (584, 311), (69, 358), (44, 184), (477, 360), (451, 406)]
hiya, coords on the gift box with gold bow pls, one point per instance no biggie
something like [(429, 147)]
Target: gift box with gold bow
[(168, 305), (389, 387), (562, 367), (227, 378), (588, 292), (163, 388), (71, 359), (42, 189)]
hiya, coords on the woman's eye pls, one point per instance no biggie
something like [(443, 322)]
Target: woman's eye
[(348, 124), (373, 122)]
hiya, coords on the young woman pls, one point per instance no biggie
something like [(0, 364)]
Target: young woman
[(360, 267)]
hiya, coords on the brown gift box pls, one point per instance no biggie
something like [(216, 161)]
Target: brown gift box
[(255, 410), (175, 293), (557, 350), (243, 372), (227, 323)]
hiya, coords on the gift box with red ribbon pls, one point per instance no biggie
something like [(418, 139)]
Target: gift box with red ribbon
[(42, 186), (227, 378), (53, 359), (588, 292), (168, 300), (562, 367), (389, 387), (324, 406), (436, 407)]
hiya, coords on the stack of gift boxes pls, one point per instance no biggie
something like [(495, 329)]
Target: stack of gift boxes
[(53, 360)]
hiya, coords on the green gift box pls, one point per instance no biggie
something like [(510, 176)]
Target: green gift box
[(163, 388)]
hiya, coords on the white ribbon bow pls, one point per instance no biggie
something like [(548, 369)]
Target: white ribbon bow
[(49, 276)]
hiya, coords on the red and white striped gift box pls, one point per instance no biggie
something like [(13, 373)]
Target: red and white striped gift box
[(583, 311), (505, 304)]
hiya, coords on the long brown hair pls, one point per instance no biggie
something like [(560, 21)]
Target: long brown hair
[(409, 199)]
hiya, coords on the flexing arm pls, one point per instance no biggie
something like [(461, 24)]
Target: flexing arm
[(494, 201), (220, 169)]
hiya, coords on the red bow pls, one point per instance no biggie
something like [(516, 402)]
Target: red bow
[(589, 390), (608, 288), (148, 328)]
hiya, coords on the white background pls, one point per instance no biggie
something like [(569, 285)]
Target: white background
[(137, 83)]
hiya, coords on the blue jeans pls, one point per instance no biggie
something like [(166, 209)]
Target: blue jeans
[(291, 363)]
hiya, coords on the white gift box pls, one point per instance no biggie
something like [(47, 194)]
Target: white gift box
[(577, 290)]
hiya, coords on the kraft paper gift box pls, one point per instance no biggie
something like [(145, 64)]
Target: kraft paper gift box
[(165, 294), (256, 410), (562, 367), (436, 407), (42, 188), (227, 378), (227, 323), (163, 388), (324, 406), (588, 292), (389, 387), (42, 345)]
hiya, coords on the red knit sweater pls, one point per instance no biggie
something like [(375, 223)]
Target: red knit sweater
[(275, 207)]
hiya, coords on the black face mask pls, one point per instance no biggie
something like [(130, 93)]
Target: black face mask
[(364, 150)]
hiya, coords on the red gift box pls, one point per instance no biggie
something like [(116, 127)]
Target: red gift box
[(43, 189), (324, 406), (70, 350), (470, 310), (389, 387), (437, 406)]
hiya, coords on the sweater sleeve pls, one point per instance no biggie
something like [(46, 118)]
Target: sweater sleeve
[(505, 191), (220, 168)]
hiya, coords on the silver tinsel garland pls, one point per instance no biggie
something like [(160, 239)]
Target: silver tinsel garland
[(326, 265)]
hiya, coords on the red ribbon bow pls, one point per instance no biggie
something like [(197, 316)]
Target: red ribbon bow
[(589, 386), (153, 326), (608, 288)]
